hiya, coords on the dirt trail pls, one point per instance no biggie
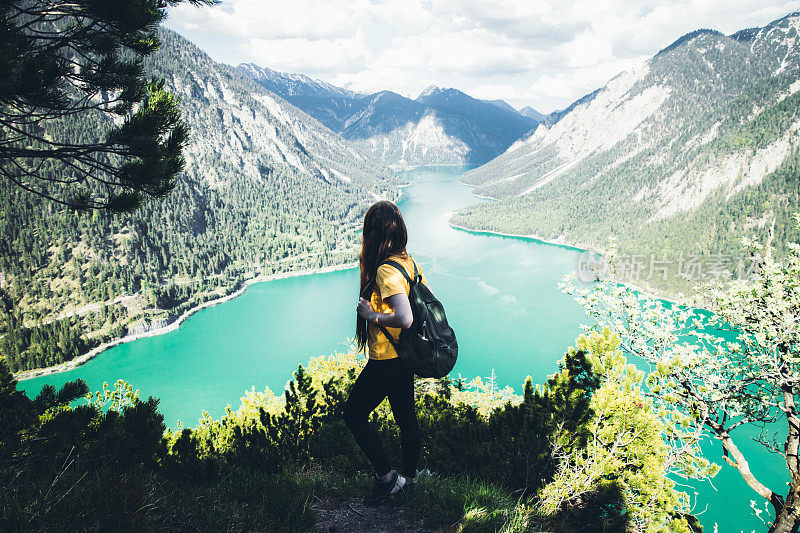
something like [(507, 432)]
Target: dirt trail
[(351, 515)]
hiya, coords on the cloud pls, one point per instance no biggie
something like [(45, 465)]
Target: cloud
[(542, 53), (329, 56), (470, 52), (267, 19)]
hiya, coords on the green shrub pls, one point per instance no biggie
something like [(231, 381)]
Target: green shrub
[(501, 462)]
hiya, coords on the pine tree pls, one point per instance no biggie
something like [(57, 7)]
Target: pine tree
[(292, 429), (85, 58)]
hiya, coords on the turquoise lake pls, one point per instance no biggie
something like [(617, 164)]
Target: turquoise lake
[(501, 297)]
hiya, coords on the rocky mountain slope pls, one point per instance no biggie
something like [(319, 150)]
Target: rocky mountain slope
[(266, 189), (681, 155), (499, 125), (440, 126), (253, 129)]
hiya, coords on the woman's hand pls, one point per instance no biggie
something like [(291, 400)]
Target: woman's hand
[(365, 309)]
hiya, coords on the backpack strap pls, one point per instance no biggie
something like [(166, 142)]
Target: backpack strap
[(402, 270), (388, 335)]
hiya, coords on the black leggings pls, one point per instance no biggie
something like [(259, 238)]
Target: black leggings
[(379, 379)]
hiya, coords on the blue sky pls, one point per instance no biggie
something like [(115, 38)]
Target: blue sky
[(527, 52)]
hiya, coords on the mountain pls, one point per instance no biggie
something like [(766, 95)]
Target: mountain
[(680, 155), (528, 111), (440, 126), (266, 189), (229, 112), (287, 85), (502, 104), (327, 103), (399, 131), (504, 126)]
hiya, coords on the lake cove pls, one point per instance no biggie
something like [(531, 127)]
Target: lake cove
[(501, 297)]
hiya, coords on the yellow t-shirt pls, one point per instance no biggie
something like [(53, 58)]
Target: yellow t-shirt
[(389, 282)]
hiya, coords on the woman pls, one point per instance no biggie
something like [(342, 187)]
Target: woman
[(383, 301)]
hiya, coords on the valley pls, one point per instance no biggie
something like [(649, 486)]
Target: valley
[(500, 293), (210, 296)]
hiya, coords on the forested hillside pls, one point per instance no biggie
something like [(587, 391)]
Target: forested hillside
[(440, 126), (678, 158), (266, 189)]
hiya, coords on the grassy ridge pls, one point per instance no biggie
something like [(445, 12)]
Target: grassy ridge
[(492, 459)]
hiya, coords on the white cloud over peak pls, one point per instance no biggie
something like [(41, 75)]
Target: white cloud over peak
[(540, 53)]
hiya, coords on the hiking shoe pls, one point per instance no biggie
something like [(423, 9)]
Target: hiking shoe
[(381, 490), (408, 488)]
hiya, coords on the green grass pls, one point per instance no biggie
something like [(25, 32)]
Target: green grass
[(468, 505)]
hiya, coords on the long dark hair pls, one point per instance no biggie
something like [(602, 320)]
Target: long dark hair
[(384, 235)]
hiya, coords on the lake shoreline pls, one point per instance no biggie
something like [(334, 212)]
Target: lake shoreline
[(175, 324), (677, 299), (532, 236), (674, 298), (407, 167)]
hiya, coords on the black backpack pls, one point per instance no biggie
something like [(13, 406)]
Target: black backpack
[(429, 346)]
